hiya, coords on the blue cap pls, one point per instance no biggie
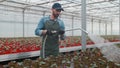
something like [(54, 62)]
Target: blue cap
[(57, 6)]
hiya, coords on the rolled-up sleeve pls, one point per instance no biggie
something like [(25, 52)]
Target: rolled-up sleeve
[(38, 30)]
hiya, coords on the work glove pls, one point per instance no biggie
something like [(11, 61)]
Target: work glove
[(61, 32)]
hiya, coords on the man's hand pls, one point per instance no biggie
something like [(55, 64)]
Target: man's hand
[(44, 32), (49, 32), (61, 32)]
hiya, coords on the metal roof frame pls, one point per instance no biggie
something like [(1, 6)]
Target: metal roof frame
[(69, 9)]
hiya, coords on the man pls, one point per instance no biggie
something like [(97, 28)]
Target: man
[(51, 28)]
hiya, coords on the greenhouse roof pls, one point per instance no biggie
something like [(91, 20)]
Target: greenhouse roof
[(95, 8)]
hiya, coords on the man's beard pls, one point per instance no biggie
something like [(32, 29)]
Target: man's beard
[(55, 15)]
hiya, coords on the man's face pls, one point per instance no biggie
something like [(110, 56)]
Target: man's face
[(56, 13)]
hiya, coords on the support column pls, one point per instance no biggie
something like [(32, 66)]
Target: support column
[(72, 30), (72, 25), (23, 16), (99, 27), (106, 30), (111, 28), (83, 21), (119, 18), (92, 25)]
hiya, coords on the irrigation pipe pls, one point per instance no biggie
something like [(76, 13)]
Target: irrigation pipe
[(44, 46), (77, 29)]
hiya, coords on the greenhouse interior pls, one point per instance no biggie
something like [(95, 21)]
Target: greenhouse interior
[(91, 38)]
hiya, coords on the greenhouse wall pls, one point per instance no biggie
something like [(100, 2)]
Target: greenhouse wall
[(18, 22)]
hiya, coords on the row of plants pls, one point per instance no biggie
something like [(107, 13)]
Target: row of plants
[(91, 58), (8, 46), (17, 45)]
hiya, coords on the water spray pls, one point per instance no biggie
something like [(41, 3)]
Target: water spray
[(111, 52)]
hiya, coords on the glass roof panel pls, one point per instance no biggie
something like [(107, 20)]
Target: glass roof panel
[(94, 7)]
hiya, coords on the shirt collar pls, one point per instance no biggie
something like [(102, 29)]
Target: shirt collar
[(54, 19)]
